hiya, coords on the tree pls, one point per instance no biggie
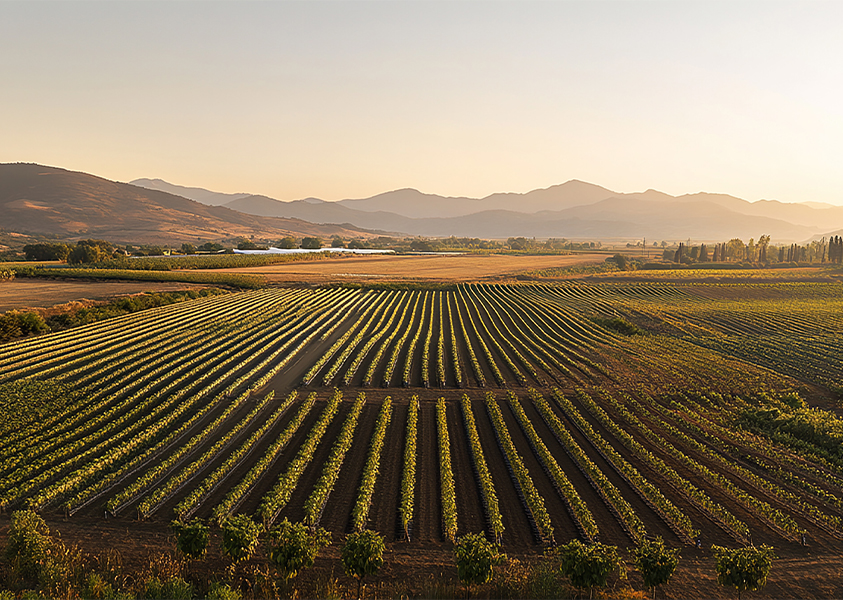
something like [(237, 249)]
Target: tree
[(621, 262), (311, 243), (287, 243), (362, 555), (292, 547), (735, 249), (421, 246), (337, 242), (84, 254), (240, 537), (518, 243), (589, 566), (745, 569), (703, 254), (476, 559), (763, 242), (245, 244), (191, 538), (655, 562), (188, 249), (46, 251)]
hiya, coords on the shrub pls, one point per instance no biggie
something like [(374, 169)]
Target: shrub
[(292, 547), (620, 325), (191, 538), (745, 569), (240, 537), (476, 559), (220, 591), (29, 544), (362, 555), (589, 566), (172, 589), (655, 562)]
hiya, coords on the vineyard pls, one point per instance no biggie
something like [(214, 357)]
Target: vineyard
[(610, 411)]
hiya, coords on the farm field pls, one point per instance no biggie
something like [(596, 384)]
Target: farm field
[(440, 268), (596, 410), (35, 293)]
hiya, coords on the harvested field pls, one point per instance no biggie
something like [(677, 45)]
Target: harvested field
[(34, 293), (408, 268)]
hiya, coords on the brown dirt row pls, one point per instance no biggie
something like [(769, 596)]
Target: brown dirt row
[(337, 513), (383, 514), (294, 510), (426, 526), (471, 516)]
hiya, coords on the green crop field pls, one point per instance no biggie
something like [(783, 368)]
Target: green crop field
[(701, 412)]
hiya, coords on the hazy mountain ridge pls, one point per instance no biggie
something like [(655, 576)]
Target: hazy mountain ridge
[(573, 209), (56, 201), (50, 200), (194, 193)]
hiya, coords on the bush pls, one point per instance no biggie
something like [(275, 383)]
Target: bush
[(292, 547), (589, 566), (620, 325), (240, 537), (220, 591), (745, 569), (191, 538), (15, 324), (311, 243), (476, 559), (97, 588), (172, 589), (362, 555), (655, 562), (29, 545)]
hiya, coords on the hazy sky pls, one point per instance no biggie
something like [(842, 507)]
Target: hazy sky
[(349, 99)]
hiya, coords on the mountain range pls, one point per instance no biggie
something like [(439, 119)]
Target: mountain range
[(54, 201), (68, 204), (573, 210)]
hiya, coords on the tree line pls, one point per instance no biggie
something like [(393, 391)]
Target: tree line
[(761, 251)]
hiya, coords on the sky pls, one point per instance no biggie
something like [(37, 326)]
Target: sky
[(464, 98)]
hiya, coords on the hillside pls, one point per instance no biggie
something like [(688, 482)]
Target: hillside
[(194, 193), (49, 200), (625, 216)]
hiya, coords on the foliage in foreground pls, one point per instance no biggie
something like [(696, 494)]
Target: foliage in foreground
[(590, 565), (240, 537), (293, 547), (745, 569), (362, 555), (655, 562), (191, 538), (476, 559)]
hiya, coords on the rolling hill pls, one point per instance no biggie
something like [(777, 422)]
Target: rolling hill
[(73, 205)]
